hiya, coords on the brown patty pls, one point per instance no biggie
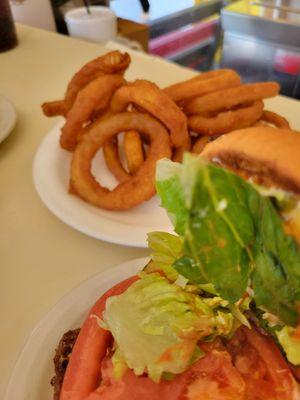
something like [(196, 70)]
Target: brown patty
[(61, 359)]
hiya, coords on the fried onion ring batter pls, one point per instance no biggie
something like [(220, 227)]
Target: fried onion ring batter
[(95, 96), (54, 108), (231, 97), (275, 119), (200, 143), (226, 121), (112, 160), (134, 152), (141, 186), (113, 62), (202, 84), (150, 98)]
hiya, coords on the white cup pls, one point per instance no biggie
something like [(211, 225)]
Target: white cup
[(99, 25)]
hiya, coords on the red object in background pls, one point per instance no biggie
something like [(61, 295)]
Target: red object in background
[(176, 41), (287, 62), (8, 37)]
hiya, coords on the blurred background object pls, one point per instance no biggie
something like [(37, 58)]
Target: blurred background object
[(94, 23), (183, 31), (61, 7), (37, 13), (8, 37), (258, 38), (262, 42)]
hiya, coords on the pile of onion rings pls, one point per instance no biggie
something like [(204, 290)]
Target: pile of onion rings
[(217, 103), (98, 106), (104, 111)]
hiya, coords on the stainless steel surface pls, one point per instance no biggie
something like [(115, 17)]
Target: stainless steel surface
[(261, 48), (288, 10), (276, 6), (275, 31)]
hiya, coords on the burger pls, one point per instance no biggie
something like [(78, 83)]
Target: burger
[(214, 315)]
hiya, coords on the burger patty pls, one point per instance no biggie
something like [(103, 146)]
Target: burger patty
[(61, 359)]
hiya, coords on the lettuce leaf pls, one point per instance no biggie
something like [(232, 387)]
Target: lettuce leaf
[(166, 249), (290, 344), (232, 236), (167, 181), (157, 325)]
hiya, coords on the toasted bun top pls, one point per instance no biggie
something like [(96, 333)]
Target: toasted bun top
[(269, 155)]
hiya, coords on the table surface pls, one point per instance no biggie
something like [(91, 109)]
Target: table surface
[(41, 257)]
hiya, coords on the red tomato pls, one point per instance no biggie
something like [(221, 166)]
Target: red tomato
[(213, 377), (296, 371), (83, 372), (264, 369)]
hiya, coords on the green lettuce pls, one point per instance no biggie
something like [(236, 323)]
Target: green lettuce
[(166, 249), (290, 344), (171, 187), (233, 236), (156, 326)]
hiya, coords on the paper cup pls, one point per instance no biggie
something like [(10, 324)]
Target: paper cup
[(99, 25)]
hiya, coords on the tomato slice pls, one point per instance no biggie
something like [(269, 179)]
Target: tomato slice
[(263, 367), (213, 377), (83, 371), (296, 371)]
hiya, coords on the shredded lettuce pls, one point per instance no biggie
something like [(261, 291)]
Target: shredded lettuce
[(156, 326), (290, 344), (166, 249)]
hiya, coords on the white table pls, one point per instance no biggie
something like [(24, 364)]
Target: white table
[(40, 257)]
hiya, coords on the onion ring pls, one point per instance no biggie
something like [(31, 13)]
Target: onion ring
[(227, 98), (150, 98), (112, 160), (200, 143), (134, 152), (275, 119), (141, 186), (113, 62), (95, 96), (54, 108), (226, 121), (202, 84), (179, 152)]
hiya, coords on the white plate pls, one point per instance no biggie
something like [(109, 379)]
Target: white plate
[(51, 172), (33, 371), (8, 118)]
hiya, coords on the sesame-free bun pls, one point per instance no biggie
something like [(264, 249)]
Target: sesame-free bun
[(270, 156)]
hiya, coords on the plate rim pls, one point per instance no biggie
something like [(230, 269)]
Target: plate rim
[(115, 273), (12, 122), (140, 239)]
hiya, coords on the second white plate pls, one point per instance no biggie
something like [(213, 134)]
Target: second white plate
[(34, 369), (51, 173), (8, 118)]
